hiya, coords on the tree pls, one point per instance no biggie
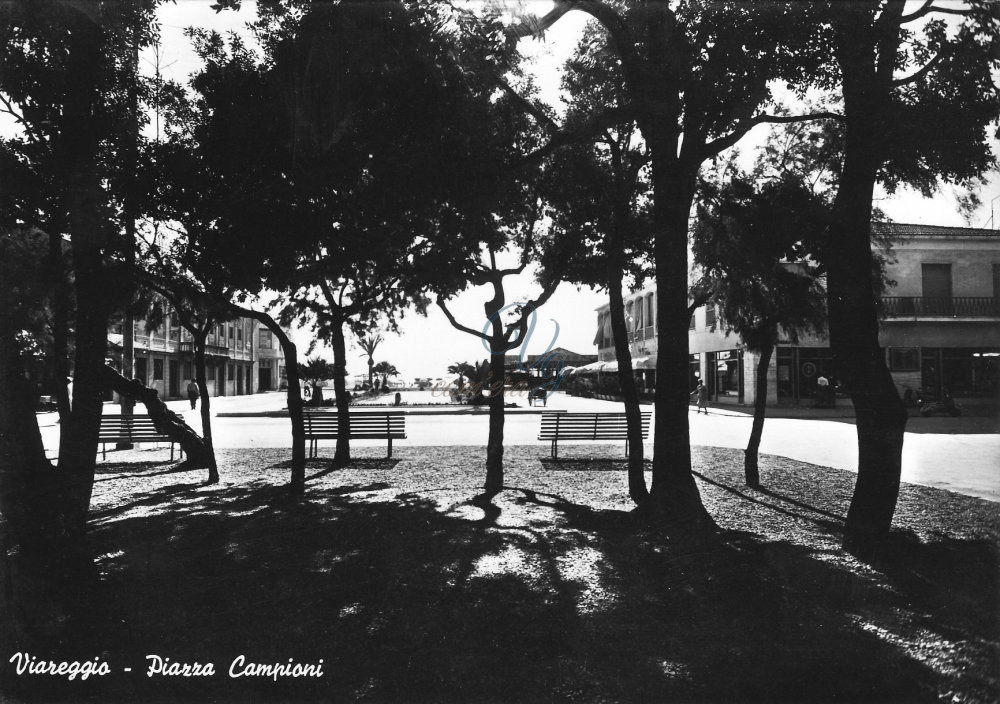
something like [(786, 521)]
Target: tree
[(199, 310), (314, 371), (64, 74), (464, 371), (371, 149), (917, 104), (501, 336), (752, 247), (596, 192), (369, 343), (387, 370), (696, 78)]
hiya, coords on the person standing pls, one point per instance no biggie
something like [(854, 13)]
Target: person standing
[(192, 389), (823, 392), (702, 393)]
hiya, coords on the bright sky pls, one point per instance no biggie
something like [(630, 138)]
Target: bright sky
[(426, 346)]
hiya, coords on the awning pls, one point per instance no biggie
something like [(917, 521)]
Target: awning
[(595, 367), (644, 362)]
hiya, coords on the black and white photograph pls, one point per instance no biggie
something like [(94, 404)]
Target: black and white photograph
[(425, 351)]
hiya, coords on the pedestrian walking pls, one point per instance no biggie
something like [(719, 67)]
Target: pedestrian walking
[(701, 392), (192, 389)]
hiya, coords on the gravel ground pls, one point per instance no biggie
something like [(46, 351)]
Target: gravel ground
[(554, 591)]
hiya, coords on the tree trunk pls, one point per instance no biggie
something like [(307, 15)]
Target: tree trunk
[(343, 452), (750, 469), (637, 490), (859, 362), (494, 445), (60, 320), (78, 146), (165, 420), (673, 491), (297, 482), (35, 567), (206, 411), (128, 371), (295, 405), (24, 464)]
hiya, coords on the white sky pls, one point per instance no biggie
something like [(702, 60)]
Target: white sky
[(426, 346)]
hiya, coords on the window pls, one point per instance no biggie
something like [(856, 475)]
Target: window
[(158, 370), (650, 318), (710, 317), (239, 334), (904, 359), (232, 333), (936, 280), (691, 322), (265, 339), (232, 374), (210, 372)]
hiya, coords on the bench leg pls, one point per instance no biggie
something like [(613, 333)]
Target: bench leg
[(104, 450), (389, 455), (626, 447), (171, 452), (555, 450)]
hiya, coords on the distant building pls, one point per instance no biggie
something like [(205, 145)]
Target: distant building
[(940, 328), (549, 364), (241, 357)]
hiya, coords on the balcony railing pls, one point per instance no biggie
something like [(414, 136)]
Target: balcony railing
[(951, 307), (218, 350), (641, 334)]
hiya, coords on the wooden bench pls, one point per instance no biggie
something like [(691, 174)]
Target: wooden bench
[(364, 426), (588, 426), (130, 429)]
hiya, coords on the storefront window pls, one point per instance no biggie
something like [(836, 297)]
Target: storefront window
[(904, 359), (694, 371), (961, 372)]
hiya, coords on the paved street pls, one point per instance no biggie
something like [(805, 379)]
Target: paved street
[(938, 452)]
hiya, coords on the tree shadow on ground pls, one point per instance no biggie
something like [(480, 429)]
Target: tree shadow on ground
[(530, 598), (116, 470), (590, 464)]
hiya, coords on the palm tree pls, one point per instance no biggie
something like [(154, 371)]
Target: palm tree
[(463, 369), (386, 369), (368, 344), (314, 371)]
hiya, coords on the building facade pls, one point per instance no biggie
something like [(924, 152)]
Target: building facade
[(241, 357), (940, 328)]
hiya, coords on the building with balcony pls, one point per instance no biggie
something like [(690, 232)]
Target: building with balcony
[(241, 357), (940, 328)]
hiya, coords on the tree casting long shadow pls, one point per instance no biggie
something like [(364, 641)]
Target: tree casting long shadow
[(406, 601)]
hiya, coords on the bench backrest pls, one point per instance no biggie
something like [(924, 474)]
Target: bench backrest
[(374, 425), (134, 427), (594, 426)]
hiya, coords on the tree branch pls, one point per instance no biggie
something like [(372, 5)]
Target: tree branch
[(929, 7), (918, 74), (529, 107), (534, 26), (457, 325), (742, 127), (19, 118), (574, 135), (521, 323)]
